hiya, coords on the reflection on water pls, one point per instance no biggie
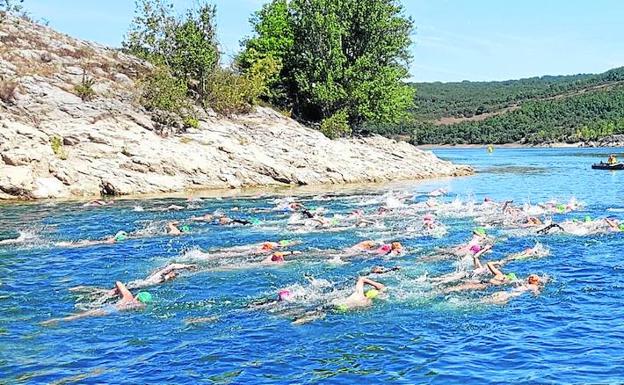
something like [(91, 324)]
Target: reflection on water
[(200, 328)]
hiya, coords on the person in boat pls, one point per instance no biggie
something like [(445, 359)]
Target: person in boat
[(612, 160), (126, 302)]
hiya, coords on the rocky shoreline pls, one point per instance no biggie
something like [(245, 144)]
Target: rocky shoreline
[(55, 145)]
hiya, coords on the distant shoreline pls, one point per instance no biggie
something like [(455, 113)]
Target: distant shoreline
[(512, 145)]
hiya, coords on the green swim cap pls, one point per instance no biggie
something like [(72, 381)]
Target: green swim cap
[(285, 242), (511, 276), (621, 227), (255, 221), (587, 218), (480, 231), (185, 228), (372, 293), (334, 222), (144, 297), (120, 236), (342, 308), (561, 208)]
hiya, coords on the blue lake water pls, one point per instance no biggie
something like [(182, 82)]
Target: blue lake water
[(572, 333)]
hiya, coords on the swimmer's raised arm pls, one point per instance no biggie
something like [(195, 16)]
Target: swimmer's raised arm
[(123, 291), (368, 281), (494, 270)]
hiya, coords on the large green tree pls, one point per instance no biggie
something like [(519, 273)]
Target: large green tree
[(339, 56), (186, 45)]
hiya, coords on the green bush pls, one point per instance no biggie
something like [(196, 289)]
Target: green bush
[(161, 92), (191, 122), (85, 89), (336, 126), (56, 143)]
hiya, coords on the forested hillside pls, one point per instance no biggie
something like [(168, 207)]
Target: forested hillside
[(536, 110)]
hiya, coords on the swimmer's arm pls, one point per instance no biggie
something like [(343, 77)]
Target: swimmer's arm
[(123, 291), (374, 284), (611, 223), (494, 270)]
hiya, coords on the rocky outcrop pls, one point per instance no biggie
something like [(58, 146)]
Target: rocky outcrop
[(54, 145)]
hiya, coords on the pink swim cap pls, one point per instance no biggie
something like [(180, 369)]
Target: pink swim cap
[(284, 294), (384, 249), (428, 218), (475, 249)]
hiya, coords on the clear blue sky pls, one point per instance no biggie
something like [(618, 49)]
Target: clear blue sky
[(455, 39)]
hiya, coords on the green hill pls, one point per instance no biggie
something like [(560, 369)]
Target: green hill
[(535, 110)]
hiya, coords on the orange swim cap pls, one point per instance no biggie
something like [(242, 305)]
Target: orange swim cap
[(268, 246), (396, 246)]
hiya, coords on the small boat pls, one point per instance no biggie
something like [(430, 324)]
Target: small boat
[(607, 166)]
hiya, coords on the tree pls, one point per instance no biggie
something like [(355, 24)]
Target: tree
[(186, 45), (339, 56), (351, 55), (273, 42)]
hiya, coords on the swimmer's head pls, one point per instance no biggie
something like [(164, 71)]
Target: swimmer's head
[(285, 242), (372, 293), (266, 246), (561, 208), (120, 236), (277, 257), (396, 246), (144, 297), (533, 279), (255, 221), (511, 276), (587, 218), (487, 199), (284, 295), (474, 249), (480, 231), (384, 249), (341, 308), (621, 227), (185, 228), (428, 218)]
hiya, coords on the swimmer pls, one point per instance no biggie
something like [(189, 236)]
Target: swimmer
[(381, 270), (532, 284), (230, 221), (393, 248), (165, 274), (278, 257), (530, 252), (204, 218), (359, 298), (126, 302), (120, 236), (97, 203), (173, 229), (438, 192), (367, 245)]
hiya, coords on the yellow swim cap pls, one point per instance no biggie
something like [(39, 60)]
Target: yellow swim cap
[(372, 293)]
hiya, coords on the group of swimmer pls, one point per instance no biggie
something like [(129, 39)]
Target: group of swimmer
[(470, 273)]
